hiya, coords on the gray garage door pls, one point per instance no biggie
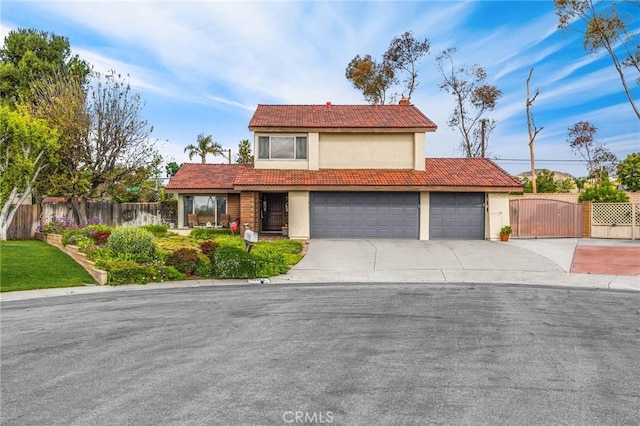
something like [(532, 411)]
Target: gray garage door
[(456, 216), (364, 214)]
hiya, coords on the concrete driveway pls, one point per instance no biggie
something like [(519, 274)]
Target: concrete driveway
[(546, 261)]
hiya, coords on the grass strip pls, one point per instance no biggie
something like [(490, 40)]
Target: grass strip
[(34, 264)]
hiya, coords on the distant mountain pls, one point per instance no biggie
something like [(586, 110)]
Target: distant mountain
[(557, 175)]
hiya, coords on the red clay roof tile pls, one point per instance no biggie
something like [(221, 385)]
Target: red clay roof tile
[(467, 172), (340, 116), (205, 176), (440, 172)]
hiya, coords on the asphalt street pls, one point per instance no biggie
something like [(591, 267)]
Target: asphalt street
[(353, 354)]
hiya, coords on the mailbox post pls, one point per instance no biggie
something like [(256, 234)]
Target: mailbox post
[(250, 238)]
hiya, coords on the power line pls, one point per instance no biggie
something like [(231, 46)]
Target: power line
[(527, 160)]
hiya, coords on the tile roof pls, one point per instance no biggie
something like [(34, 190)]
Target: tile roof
[(330, 177), (340, 117), (467, 172), (205, 176), (440, 172)]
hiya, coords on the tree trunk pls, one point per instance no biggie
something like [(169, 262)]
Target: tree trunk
[(9, 210), (79, 205), (533, 132)]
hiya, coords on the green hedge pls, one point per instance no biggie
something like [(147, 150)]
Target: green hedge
[(126, 272), (157, 230), (209, 233), (184, 260), (136, 241), (203, 266), (233, 262)]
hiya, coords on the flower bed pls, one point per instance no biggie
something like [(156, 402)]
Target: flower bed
[(129, 255)]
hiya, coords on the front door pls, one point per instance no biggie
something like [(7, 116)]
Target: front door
[(273, 211)]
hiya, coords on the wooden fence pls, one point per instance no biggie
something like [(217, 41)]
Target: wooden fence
[(25, 222), (615, 220), (28, 217)]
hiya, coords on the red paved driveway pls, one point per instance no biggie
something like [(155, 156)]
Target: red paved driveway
[(606, 260)]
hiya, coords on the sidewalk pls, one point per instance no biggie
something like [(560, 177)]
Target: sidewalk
[(520, 261)]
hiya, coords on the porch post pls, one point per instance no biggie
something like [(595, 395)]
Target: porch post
[(249, 210)]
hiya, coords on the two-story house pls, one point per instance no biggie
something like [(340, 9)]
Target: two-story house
[(349, 171)]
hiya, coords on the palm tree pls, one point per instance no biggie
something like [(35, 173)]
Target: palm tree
[(205, 145)]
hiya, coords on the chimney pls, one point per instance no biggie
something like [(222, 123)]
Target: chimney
[(403, 101), (328, 105)]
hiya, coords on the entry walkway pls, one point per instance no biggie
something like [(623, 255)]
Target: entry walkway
[(545, 262)]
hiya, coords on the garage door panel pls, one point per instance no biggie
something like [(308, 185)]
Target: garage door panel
[(364, 215), (456, 216)]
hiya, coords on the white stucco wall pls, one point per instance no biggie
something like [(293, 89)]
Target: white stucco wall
[(180, 211), (367, 151), (497, 215), (424, 215), (299, 215)]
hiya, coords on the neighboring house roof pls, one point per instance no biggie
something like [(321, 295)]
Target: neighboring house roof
[(387, 117), (195, 176), (439, 173), (54, 200)]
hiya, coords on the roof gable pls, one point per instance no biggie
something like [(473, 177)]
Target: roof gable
[(205, 176), (340, 117)]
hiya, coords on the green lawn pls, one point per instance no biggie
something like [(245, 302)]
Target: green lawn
[(32, 264)]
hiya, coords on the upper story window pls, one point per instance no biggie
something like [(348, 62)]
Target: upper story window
[(282, 147)]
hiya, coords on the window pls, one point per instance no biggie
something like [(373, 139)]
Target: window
[(207, 207), (282, 147)]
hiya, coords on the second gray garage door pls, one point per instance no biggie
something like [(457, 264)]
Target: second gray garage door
[(364, 214), (456, 216)]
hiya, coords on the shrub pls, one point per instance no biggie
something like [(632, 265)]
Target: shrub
[(157, 230), (100, 238), (98, 253), (172, 274), (184, 260), (73, 236), (125, 272), (208, 233), (604, 193), (135, 241), (208, 248), (233, 262), (203, 266), (271, 263)]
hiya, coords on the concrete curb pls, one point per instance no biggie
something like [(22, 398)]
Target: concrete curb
[(545, 278)]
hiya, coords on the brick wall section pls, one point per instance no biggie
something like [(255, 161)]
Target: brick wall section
[(586, 219), (233, 206), (249, 210)]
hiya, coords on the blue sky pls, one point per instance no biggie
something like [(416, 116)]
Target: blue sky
[(203, 66)]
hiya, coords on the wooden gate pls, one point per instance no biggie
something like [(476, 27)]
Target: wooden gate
[(544, 218)]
